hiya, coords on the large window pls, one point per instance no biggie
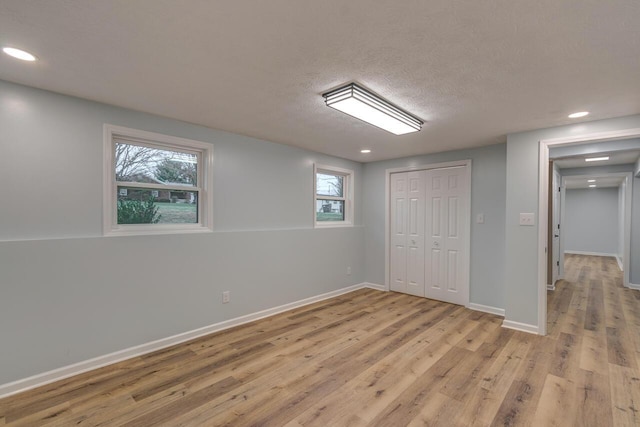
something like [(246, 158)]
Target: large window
[(333, 196), (155, 183)]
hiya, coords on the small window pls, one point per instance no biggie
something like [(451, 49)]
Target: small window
[(333, 195), (155, 183)]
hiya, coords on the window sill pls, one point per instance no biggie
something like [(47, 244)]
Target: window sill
[(338, 225), (156, 230)]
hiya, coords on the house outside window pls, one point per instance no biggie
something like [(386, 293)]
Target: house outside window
[(333, 196), (155, 184)]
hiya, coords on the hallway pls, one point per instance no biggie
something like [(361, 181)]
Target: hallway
[(596, 324)]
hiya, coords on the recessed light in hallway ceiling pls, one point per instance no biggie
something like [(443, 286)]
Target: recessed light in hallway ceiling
[(19, 54), (578, 114)]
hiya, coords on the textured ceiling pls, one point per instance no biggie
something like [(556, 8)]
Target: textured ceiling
[(473, 70)]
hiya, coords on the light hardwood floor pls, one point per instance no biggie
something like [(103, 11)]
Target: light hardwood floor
[(379, 359)]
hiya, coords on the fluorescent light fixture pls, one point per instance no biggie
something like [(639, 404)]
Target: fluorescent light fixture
[(358, 102), (19, 54), (578, 114), (592, 186), (591, 180), (596, 159), (365, 151)]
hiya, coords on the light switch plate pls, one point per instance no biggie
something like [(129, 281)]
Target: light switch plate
[(480, 218), (527, 219)]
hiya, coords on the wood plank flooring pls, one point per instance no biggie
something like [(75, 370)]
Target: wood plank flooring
[(373, 358)]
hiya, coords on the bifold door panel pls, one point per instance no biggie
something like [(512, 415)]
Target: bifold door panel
[(407, 232), (446, 233)]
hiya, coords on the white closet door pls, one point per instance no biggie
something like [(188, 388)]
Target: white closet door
[(447, 231), (407, 232), (398, 250), (415, 232)]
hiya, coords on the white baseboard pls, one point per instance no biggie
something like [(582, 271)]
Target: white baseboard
[(590, 253), (551, 287), (620, 266), (634, 286), (118, 356), (523, 327), (374, 286), (486, 309)]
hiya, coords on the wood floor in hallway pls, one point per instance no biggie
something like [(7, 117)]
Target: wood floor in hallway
[(372, 358)]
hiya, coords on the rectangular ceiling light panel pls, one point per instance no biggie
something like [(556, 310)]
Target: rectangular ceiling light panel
[(356, 101)]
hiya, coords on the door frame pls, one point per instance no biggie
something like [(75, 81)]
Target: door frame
[(543, 203), (387, 216), (563, 195), (557, 198)]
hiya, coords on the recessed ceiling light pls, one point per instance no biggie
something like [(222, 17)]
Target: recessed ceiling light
[(365, 151), (592, 186), (591, 180), (578, 114), (362, 104), (19, 54), (596, 159)]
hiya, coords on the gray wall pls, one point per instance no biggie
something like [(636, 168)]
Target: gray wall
[(591, 220), (521, 297), (68, 294), (487, 240)]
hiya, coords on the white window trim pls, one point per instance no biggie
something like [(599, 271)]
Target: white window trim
[(348, 196), (109, 196)]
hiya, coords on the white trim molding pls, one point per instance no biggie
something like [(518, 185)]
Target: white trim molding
[(551, 287), (486, 309), (374, 286), (48, 377), (620, 265), (634, 286), (522, 327)]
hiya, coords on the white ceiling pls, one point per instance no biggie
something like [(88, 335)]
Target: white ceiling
[(603, 181), (474, 71), (615, 158)]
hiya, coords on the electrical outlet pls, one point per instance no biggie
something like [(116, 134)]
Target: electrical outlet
[(480, 218), (527, 219), (226, 297), (348, 271)]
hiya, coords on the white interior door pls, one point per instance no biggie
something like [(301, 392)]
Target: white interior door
[(555, 244), (398, 231), (407, 232), (415, 232), (447, 231)]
